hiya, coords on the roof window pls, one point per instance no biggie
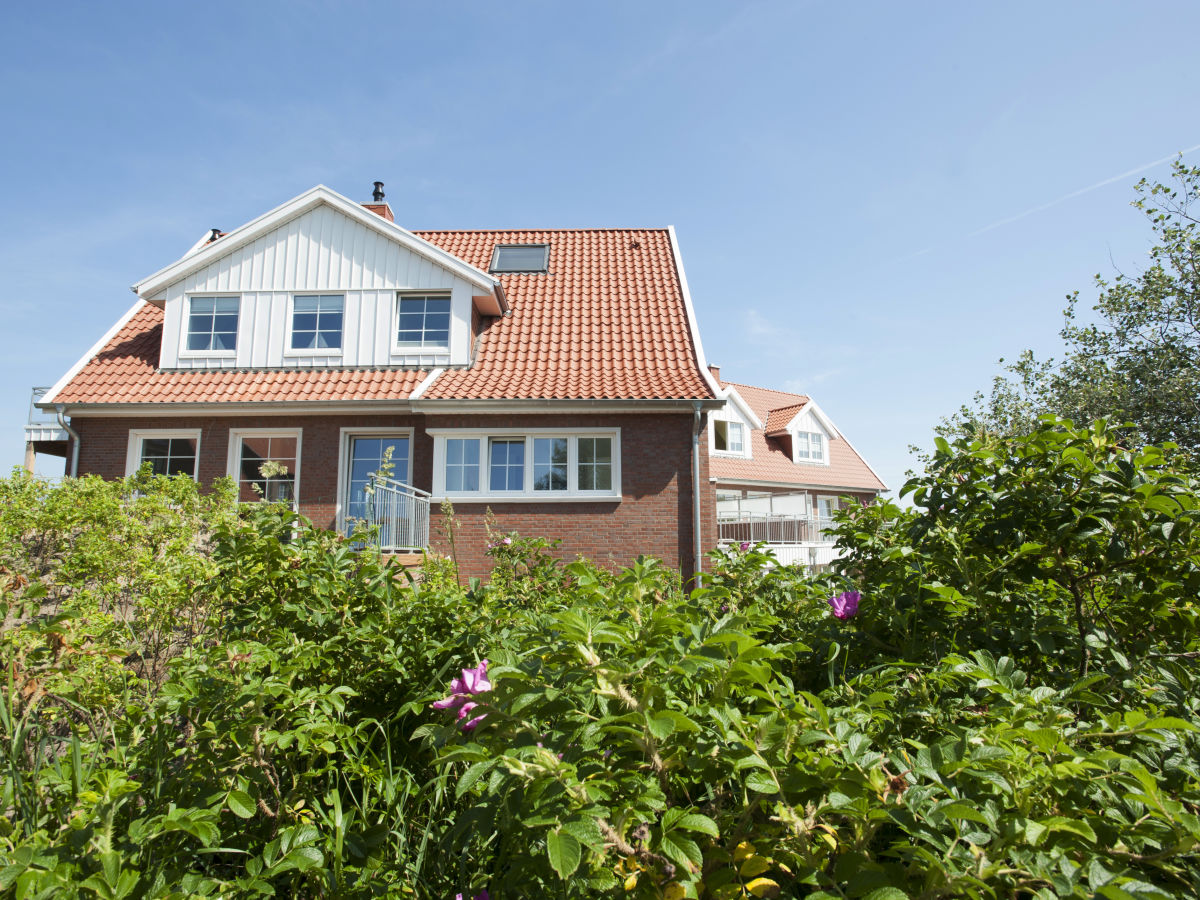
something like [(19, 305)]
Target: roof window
[(520, 258)]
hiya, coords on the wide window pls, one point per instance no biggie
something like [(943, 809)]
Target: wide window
[(317, 322), (369, 454), (538, 464), (212, 324), (266, 464), (729, 437), (810, 446), (167, 452), (423, 321), (520, 258)]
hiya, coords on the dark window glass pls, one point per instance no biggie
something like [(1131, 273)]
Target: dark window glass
[(212, 323), (423, 321), (507, 463), (317, 322), (520, 258)]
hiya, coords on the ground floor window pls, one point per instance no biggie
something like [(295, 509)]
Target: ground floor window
[(167, 452), (266, 464), (535, 464)]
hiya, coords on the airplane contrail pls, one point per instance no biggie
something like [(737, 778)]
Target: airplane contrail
[(1081, 191)]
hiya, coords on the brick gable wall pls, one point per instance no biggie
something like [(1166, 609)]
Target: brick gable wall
[(654, 516)]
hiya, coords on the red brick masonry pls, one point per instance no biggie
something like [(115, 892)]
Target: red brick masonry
[(653, 516)]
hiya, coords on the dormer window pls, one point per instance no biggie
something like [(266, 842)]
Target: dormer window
[(729, 437), (212, 324), (520, 258), (810, 446), (424, 322), (317, 322)]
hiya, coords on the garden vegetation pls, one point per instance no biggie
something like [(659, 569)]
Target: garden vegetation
[(995, 697)]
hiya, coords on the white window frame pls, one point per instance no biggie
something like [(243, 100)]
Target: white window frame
[(423, 349), (527, 494), (234, 461), (288, 349), (186, 325), (808, 459), (133, 454), (744, 453), (345, 436)]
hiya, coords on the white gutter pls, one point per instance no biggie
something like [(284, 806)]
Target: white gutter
[(62, 420)]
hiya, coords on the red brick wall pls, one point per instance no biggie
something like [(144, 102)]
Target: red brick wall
[(653, 516)]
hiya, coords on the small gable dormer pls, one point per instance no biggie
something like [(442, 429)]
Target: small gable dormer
[(730, 426), (320, 281), (804, 432)]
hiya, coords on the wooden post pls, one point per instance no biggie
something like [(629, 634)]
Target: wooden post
[(30, 457)]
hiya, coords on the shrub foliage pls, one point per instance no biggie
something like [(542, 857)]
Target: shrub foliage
[(208, 700)]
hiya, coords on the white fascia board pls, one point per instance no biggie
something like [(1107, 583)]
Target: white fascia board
[(725, 481), (867, 464), (48, 399), (730, 393), (425, 383), (148, 287), (256, 407), (812, 407), (690, 310)]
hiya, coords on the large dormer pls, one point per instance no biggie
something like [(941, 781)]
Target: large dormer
[(804, 432), (320, 281)]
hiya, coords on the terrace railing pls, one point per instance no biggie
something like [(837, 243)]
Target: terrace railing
[(400, 513), (773, 529)]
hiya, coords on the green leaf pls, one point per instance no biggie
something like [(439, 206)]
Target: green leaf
[(240, 804), (564, 852), (763, 782), (886, 893), (698, 822)]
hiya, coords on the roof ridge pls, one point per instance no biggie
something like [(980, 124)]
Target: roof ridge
[(661, 228), (807, 397)]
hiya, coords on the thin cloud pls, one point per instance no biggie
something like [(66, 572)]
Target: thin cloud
[(1079, 193)]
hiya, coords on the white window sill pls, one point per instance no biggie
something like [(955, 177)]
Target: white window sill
[(515, 497), (300, 354), (208, 354), (730, 454)]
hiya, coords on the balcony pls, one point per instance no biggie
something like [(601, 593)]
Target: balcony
[(43, 434), (794, 539), (398, 515)]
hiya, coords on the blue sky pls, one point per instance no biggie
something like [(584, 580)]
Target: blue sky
[(875, 201)]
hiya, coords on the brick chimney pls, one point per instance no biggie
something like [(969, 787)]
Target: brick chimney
[(715, 372), (378, 205)]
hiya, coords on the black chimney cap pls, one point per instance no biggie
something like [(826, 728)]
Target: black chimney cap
[(377, 195)]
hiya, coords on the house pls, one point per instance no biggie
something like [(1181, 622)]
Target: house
[(552, 376), (780, 468)]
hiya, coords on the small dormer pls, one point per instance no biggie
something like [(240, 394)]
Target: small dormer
[(804, 432), (729, 427)]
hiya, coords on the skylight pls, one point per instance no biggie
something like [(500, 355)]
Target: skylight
[(520, 258)]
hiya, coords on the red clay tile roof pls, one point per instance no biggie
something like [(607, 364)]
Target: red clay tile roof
[(606, 321), (125, 371), (778, 420), (771, 464)]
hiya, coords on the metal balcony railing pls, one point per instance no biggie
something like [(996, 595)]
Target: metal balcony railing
[(42, 425), (773, 529), (400, 513)]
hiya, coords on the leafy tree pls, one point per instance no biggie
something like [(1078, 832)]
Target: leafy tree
[(1139, 361)]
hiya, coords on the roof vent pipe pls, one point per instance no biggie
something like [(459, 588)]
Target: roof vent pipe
[(216, 233), (377, 194)]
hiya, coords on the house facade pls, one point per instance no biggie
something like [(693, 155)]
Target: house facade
[(553, 377), (324, 356), (780, 468)]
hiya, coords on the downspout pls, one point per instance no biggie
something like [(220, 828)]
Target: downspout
[(697, 541), (74, 439)]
